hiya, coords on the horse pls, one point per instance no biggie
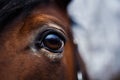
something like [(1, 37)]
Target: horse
[(36, 41)]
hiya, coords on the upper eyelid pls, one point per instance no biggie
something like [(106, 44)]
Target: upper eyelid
[(57, 27), (47, 26), (51, 30), (54, 26), (44, 28)]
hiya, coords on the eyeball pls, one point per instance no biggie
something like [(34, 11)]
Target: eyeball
[(53, 42)]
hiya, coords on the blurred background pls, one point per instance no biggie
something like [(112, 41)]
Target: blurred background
[(96, 30)]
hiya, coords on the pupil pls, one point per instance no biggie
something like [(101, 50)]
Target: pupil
[(53, 42)]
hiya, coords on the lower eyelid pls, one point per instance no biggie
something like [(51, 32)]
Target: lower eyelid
[(48, 54)]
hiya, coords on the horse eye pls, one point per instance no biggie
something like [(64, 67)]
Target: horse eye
[(53, 42)]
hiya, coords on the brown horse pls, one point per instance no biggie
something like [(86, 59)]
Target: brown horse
[(36, 41)]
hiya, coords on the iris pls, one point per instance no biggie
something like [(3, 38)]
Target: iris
[(53, 42)]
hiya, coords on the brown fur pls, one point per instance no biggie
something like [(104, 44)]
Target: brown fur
[(17, 62)]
